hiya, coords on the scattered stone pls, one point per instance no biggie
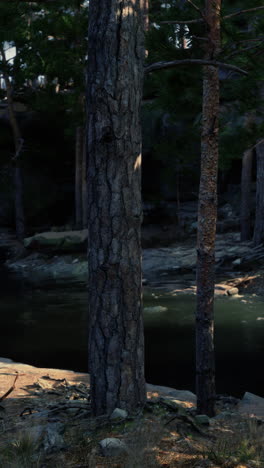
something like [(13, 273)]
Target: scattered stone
[(223, 416), (237, 261), (202, 419), (233, 291), (119, 413), (112, 447)]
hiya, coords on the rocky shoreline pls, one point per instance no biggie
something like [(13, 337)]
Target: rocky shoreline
[(239, 266)]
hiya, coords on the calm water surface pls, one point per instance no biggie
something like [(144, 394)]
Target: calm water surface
[(46, 325)]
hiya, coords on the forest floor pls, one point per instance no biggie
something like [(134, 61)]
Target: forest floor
[(46, 422)]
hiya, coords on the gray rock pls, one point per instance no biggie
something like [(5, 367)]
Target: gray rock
[(251, 405), (170, 403), (119, 413), (60, 268), (5, 360), (112, 447), (202, 419), (223, 416), (237, 261), (182, 397), (58, 241), (53, 439), (232, 291), (47, 436)]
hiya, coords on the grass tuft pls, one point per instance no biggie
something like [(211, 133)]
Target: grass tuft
[(20, 453), (244, 445)]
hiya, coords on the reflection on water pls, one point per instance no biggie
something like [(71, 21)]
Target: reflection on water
[(239, 345), (47, 326)]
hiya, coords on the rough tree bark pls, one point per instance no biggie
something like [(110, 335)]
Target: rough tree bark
[(145, 9), (18, 144), (245, 194), (114, 83), (78, 176), (207, 216), (259, 216)]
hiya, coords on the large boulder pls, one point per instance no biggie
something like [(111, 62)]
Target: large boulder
[(67, 241), (183, 398), (252, 405)]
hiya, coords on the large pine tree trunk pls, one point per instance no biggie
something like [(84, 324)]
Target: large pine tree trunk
[(78, 176), (246, 194), (18, 144), (259, 216), (115, 77), (207, 216)]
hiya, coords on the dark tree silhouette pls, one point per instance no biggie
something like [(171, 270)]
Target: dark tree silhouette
[(114, 92)]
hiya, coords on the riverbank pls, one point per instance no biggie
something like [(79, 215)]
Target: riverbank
[(47, 422), (239, 266)]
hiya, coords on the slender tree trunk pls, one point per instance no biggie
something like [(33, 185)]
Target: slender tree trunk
[(259, 216), (78, 176), (207, 216), (18, 143), (115, 78), (246, 194), (84, 184)]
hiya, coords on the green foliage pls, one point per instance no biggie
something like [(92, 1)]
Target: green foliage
[(179, 91), (51, 42)]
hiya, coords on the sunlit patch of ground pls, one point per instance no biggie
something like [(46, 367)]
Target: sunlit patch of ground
[(164, 434)]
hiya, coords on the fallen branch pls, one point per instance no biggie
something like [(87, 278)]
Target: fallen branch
[(25, 412), (10, 389), (174, 63), (189, 420)]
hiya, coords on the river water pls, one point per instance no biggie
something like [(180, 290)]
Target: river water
[(46, 325)]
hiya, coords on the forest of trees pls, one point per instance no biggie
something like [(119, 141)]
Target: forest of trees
[(202, 64)]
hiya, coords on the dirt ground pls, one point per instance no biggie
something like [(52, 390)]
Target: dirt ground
[(165, 434)]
